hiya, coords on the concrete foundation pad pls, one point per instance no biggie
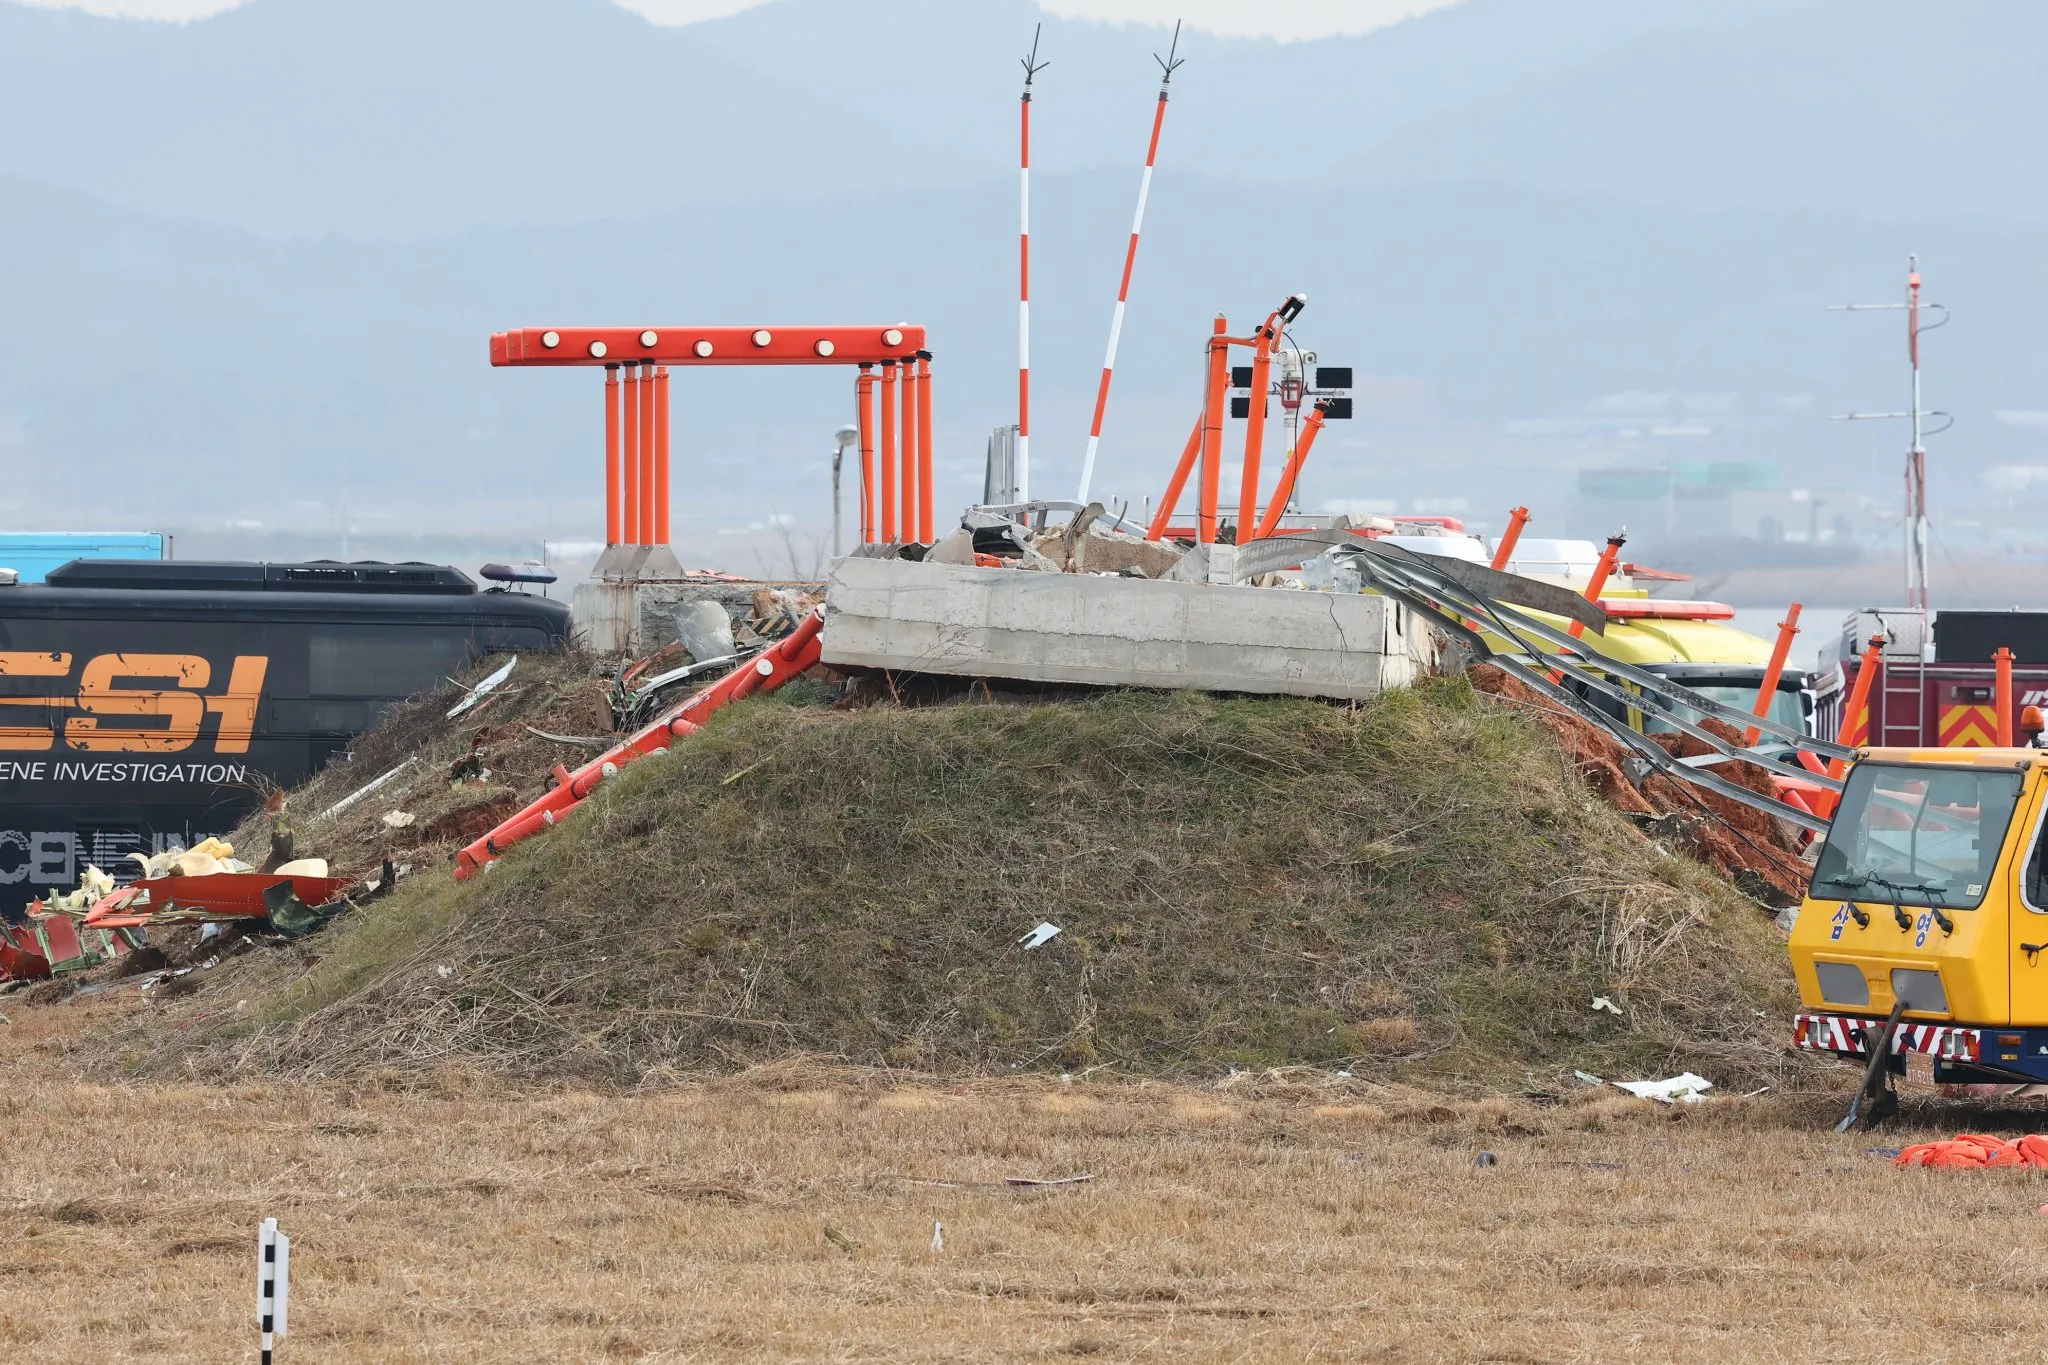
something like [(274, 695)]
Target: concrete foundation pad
[(1118, 632)]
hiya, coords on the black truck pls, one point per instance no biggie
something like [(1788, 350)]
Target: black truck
[(147, 703)]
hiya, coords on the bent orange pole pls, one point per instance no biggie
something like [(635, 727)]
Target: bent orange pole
[(1212, 432), (1174, 486), (1277, 508), (1504, 554), (1767, 691), (787, 658), (1255, 431), (864, 399), (1602, 571), (647, 453), (611, 455), (924, 447), (631, 457), (2003, 695), (887, 454), (661, 456), (1855, 727)]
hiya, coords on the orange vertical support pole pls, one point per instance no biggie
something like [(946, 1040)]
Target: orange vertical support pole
[(887, 454), (1855, 727), (1767, 691), (924, 447), (1277, 508), (1171, 499), (661, 456), (647, 453), (611, 455), (630, 511), (864, 391), (2002, 697), (1504, 553), (1212, 432), (1601, 573), (906, 483), (1255, 434)]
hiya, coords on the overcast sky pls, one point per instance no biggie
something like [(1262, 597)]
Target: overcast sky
[(1285, 19)]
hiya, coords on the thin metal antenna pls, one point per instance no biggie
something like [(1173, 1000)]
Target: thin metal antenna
[(1916, 456), (1032, 66), (1167, 65)]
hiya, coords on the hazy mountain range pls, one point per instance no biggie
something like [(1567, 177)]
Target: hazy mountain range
[(250, 263)]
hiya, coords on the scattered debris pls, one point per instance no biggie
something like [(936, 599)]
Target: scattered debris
[(395, 819), (1486, 1159), (484, 688), (1045, 933), (363, 791), (849, 1245), (938, 1236), (1686, 1088), (1601, 1002), (1977, 1151)]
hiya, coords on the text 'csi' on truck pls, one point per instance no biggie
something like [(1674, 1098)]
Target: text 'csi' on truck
[(145, 703), (1925, 929)]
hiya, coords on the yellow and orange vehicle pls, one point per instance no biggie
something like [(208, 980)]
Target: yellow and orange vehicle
[(1925, 929)]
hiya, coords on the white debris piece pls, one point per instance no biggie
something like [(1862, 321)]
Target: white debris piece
[(484, 688), (1039, 937), (1601, 1002), (938, 1237), (1685, 1089)]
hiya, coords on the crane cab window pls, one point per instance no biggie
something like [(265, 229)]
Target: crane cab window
[(1920, 835)]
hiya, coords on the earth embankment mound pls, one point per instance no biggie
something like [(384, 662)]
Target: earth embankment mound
[(1421, 888)]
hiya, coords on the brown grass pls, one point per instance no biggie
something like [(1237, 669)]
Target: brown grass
[(1263, 1219)]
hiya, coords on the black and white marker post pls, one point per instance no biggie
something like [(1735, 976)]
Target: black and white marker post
[(273, 1283)]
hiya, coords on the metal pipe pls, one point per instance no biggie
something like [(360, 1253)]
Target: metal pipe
[(1767, 691), (1278, 506), (2003, 695), (631, 457), (887, 454), (924, 447), (661, 528), (1854, 730), (1504, 553), (1170, 500), (647, 453), (1255, 430), (864, 400), (1602, 571), (611, 455), (1032, 66), (906, 488), (1212, 432)]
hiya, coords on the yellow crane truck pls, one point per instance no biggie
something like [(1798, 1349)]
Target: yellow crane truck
[(1925, 929)]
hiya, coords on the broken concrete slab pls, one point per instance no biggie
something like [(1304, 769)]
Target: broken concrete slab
[(1118, 632)]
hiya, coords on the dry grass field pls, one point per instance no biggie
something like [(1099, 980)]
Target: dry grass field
[(784, 1215)]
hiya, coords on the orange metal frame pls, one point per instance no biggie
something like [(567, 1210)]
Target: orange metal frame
[(636, 422), (1207, 442)]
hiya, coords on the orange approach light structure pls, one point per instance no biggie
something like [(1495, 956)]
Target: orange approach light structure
[(637, 415)]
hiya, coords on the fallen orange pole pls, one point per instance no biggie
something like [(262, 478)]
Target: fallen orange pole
[(1212, 432), (1767, 691), (2003, 695), (1855, 728), (1277, 508), (906, 487), (611, 455), (1255, 431), (774, 666), (661, 456), (647, 454), (864, 400), (887, 454), (924, 447), (1602, 571), (1504, 554), (1179, 482), (631, 457)]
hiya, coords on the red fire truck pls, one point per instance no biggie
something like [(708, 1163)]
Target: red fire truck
[(1938, 692)]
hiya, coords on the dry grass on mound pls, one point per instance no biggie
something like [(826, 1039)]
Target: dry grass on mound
[(1420, 887)]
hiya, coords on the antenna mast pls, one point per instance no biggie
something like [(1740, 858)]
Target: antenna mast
[(1167, 65), (1032, 66), (1916, 456)]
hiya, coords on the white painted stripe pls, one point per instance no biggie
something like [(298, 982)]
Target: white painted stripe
[(1023, 468), (1024, 335), (1116, 332), (1144, 192), (1087, 470)]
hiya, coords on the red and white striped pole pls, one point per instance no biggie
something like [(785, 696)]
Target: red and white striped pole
[(1032, 66), (1123, 289)]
